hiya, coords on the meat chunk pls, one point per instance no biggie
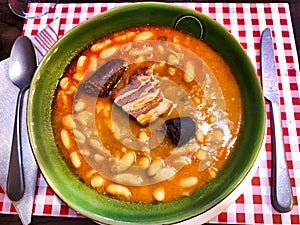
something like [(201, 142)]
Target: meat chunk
[(142, 97)]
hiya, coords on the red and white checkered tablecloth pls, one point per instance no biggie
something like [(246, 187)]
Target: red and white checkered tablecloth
[(246, 22)]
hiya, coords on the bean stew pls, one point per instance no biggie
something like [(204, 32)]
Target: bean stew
[(147, 114)]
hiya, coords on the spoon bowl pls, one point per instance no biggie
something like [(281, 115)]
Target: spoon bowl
[(22, 65), (22, 62)]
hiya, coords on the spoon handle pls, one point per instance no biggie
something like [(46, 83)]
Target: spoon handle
[(15, 179), (282, 195)]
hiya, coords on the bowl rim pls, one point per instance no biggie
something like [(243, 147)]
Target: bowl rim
[(31, 120)]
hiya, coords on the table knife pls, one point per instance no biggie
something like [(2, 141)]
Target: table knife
[(281, 192)]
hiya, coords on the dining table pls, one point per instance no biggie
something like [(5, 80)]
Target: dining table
[(245, 20)]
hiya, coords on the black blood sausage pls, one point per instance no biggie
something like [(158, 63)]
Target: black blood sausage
[(104, 79), (180, 129)]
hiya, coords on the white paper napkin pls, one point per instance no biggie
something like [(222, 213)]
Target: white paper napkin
[(46, 38), (8, 98)]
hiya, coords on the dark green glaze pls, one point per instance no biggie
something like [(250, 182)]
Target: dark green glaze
[(101, 208)]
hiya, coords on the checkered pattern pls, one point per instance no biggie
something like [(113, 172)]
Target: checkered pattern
[(246, 22), (46, 38)]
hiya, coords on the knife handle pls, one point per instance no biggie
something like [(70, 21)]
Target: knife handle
[(282, 196)]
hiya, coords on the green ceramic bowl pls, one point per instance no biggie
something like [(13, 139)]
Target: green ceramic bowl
[(102, 208)]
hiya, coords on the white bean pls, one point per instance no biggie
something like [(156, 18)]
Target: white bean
[(98, 147), (85, 152), (82, 60), (124, 163), (155, 166), (212, 172), (97, 182), (161, 49), (83, 117), (144, 162), (77, 76), (75, 159), (128, 179), (196, 101), (215, 136), (159, 194), (145, 35), (66, 139), (68, 122), (126, 47), (173, 60), (143, 137), (124, 36), (99, 46), (165, 173), (79, 106), (79, 136), (126, 141), (93, 64), (200, 136), (72, 90), (219, 135), (188, 182), (64, 83), (118, 190), (128, 158), (203, 164), (183, 161), (189, 74), (143, 51), (106, 53), (201, 154), (98, 158), (96, 144)]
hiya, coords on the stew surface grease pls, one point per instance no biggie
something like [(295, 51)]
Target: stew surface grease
[(133, 159)]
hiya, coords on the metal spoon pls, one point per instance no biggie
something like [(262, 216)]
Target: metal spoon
[(22, 65)]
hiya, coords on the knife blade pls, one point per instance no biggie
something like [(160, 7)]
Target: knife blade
[(281, 192)]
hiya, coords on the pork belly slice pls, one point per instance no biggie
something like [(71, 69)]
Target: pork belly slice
[(142, 97), (154, 113)]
